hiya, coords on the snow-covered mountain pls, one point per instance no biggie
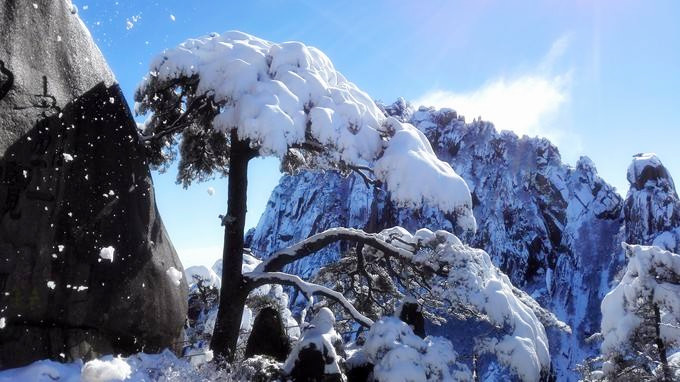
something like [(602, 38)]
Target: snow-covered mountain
[(553, 228)]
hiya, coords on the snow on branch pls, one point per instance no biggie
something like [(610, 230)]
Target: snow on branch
[(309, 246), (547, 318), (446, 276), (289, 101), (308, 289), (472, 287)]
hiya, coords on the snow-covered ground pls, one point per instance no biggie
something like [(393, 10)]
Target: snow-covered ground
[(136, 368)]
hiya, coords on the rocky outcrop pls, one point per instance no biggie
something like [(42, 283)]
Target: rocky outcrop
[(73, 181), (652, 207)]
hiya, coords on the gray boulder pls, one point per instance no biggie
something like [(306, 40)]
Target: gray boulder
[(74, 180)]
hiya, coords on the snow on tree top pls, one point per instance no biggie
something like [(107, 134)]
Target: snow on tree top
[(207, 275), (270, 91), (651, 276), (282, 96), (414, 175)]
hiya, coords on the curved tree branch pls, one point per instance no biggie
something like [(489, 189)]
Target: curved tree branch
[(314, 243), (256, 279)]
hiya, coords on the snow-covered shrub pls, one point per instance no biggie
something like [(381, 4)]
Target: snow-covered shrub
[(257, 369), (399, 355), (641, 316), (320, 336), (140, 367), (207, 276)]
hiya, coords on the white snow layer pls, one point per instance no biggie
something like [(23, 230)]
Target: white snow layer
[(207, 275), (104, 371), (270, 93), (174, 275), (639, 163), (650, 277), (140, 367), (401, 356)]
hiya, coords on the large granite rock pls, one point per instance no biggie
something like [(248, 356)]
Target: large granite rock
[(652, 206), (73, 180)]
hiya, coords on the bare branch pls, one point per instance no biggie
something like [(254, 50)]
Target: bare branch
[(318, 241), (367, 179), (362, 168), (257, 279)]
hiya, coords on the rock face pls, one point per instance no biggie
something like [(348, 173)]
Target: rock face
[(652, 207), (73, 181), (268, 336), (554, 229)]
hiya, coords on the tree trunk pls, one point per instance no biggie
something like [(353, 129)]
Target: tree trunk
[(233, 292), (661, 347)]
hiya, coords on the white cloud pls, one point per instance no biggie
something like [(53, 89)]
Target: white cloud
[(527, 103)]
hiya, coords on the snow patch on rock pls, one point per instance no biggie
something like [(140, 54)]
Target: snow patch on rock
[(174, 275)]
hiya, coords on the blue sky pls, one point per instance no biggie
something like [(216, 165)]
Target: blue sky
[(599, 78)]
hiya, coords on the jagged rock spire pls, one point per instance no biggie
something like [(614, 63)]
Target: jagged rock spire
[(652, 207)]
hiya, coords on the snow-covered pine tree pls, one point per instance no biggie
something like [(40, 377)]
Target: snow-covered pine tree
[(448, 279), (641, 319), (226, 99)]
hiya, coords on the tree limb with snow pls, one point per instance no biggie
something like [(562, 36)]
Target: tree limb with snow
[(257, 279)]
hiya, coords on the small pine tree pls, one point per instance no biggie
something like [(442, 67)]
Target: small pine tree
[(641, 318)]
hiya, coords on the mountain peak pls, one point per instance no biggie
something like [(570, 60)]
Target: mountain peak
[(647, 167)]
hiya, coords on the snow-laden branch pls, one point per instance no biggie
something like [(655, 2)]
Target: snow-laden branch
[(547, 318), (258, 279), (320, 240)]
